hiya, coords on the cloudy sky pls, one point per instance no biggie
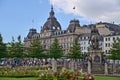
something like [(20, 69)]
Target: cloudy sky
[(16, 16), (102, 10)]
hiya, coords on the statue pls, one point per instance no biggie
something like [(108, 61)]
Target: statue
[(96, 58), (94, 38), (95, 52), (104, 59)]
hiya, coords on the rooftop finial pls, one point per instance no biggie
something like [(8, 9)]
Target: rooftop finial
[(51, 12), (51, 7)]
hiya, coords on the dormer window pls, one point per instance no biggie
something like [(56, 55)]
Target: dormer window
[(53, 27), (58, 28)]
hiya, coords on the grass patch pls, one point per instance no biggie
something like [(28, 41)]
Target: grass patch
[(33, 78), (106, 78)]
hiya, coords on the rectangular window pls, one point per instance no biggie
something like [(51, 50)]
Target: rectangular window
[(84, 37), (105, 39), (105, 44), (81, 38), (84, 48), (108, 39), (71, 39), (113, 38), (108, 44), (105, 51), (84, 42)]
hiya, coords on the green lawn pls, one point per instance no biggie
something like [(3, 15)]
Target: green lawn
[(106, 78), (96, 78)]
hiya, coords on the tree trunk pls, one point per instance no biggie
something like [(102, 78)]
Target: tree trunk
[(114, 67), (72, 65), (64, 63), (75, 62)]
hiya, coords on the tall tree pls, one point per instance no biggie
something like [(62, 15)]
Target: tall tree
[(3, 52), (55, 50), (19, 48), (75, 53), (16, 49), (75, 50), (115, 52), (36, 49)]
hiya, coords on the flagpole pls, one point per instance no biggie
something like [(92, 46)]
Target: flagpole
[(74, 8), (33, 23)]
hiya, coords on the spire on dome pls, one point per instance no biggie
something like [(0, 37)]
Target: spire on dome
[(52, 11), (51, 7)]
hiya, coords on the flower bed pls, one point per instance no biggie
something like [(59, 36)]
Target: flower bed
[(64, 74), (44, 73)]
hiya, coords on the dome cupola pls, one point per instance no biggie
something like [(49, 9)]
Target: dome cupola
[(51, 23)]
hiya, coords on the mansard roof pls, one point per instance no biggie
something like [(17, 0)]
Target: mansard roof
[(111, 26), (31, 33), (72, 26)]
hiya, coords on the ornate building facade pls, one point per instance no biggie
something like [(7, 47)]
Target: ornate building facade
[(52, 29)]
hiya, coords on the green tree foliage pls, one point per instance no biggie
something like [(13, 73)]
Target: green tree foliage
[(16, 49), (115, 50), (75, 51), (55, 50), (3, 52), (36, 49)]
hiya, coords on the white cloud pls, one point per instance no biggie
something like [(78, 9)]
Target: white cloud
[(96, 10)]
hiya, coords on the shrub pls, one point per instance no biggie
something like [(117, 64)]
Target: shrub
[(118, 70), (19, 71), (64, 74)]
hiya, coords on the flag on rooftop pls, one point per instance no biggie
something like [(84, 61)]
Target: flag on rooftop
[(33, 21), (74, 7)]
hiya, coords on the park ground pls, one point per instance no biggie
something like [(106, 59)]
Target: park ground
[(33, 78)]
